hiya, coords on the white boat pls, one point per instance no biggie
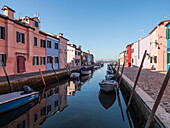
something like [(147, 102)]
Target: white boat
[(75, 75), (85, 72), (107, 85), (109, 76), (109, 72)]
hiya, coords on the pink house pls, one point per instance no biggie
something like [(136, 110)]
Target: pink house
[(63, 50), (21, 48), (158, 47)]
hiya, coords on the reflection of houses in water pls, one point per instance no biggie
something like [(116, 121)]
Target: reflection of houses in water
[(56, 99), (32, 117), (71, 88), (84, 78), (77, 85)]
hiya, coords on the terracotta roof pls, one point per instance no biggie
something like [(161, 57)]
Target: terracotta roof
[(64, 38), (167, 24), (130, 44), (8, 8)]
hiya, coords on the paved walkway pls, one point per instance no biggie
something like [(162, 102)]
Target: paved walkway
[(151, 82)]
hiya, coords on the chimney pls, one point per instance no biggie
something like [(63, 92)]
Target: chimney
[(61, 34), (8, 12), (88, 51), (141, 37)]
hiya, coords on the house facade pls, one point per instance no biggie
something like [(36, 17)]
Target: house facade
[(62, 50), (135, 54), (129, 53), (168, 44), (71, 56), (122, 57), (20, 48), (158, 47)]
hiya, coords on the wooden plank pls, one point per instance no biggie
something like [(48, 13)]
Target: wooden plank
[(117, 73), (42, 77), (158, 99), (139, 71)]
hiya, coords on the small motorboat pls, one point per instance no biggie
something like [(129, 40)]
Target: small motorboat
[(14, 100), (75, 75), (84, 71), (109, 72), (110, 77), (107, 85)]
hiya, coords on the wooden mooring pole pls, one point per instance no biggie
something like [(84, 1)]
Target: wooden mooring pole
[(55, 73), (158, 99), (121, 75), (7, 76), (42, 77), (117, 73), (139, 71)]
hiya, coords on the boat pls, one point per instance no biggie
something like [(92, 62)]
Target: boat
[(107, 99), (107, 85), (14, 100), (110, 76), (75, 75), (84, 71), (109, 72)]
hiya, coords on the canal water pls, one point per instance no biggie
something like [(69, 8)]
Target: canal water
[(73, 104)]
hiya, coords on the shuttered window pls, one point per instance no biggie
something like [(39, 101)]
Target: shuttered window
[(48, 44), (20, 37), (56, 45), (35, 60), (167, 34), (35, 41), (155, 59), (150, 59), (3, 59), (36, 24), (49, 59), (56, 59), (43, 43), (168, 58), (42, 60), (2, 32)]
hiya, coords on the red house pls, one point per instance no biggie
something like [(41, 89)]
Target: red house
[(129, 52)]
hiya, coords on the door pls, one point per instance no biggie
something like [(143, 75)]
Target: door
[(21, 64)]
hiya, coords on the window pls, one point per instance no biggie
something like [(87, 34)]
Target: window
[(75, 52), (56, 90), (49, 59), (43, 43), (43, 111), (36, 24), (48, 108), (79, 53), (127, 52), (35, 60), (132, 60), (35, 41), (56, 103), (56, 45), (167, 34), (42, 60), (133, 50), (21, 125), (2, 32), (155, 59), (56, 59), (3, 59), (48, 44), (65, 48), (150, 59), (60, 47), (156, 43), (35, 117), (20, 37)]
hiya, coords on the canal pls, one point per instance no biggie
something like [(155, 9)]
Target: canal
[(72, 104)]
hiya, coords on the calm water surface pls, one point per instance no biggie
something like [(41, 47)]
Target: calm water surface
[(73, 104)]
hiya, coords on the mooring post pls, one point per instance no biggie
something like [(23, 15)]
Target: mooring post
[(158, 99), (42, 77), (7, 76), (121, 75), (117, 73), (139, 71), (55, 73)]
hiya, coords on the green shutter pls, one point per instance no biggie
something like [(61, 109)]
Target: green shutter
[(23, 38), (168, 33), (167, 58), (150, 59), (155, 59), (17, 36)]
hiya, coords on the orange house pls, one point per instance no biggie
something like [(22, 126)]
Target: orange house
[(21, 44)]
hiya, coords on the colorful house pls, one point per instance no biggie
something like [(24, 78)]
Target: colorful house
[(52, 50), (168, 44), (71, 50), (158, 47), (84, 58), (122, 57), (128, 55), (63, 50), (20, 43), (78, 57), (135, 54), (89, 58)]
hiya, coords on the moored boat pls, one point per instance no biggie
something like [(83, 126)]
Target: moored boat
[(85, 71), (110, 76), (75, 75), (14, 100), (107, 85)]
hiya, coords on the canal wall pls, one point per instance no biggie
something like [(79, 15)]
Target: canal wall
[(141, 106), (35, 81)]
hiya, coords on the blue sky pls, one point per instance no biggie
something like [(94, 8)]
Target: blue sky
[(104, 27)]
